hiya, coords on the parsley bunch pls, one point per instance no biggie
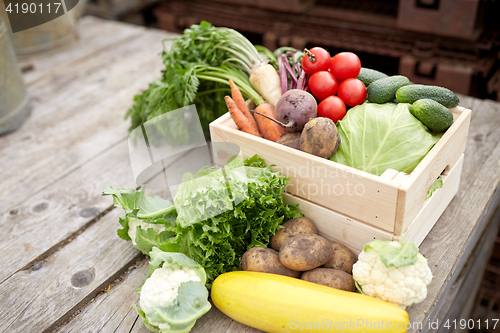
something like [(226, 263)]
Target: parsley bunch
[(197, 68)]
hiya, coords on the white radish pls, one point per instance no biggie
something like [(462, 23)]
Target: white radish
[(266, 81)]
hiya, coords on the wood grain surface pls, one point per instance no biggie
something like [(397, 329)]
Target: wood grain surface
[(62, 266)]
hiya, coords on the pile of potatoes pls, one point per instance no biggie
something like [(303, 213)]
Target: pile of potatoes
[(298, 251)]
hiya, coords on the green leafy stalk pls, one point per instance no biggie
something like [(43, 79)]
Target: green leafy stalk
[(202, 59), (438, 183)]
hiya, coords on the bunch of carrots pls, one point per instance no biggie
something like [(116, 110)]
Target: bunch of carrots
[(244, 119)]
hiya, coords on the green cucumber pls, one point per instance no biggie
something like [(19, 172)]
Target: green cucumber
[(411, 94), (384, 90), (432, 114), (367, 75)]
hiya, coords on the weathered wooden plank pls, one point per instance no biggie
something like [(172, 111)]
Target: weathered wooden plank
[(83, 118), (74, 64), (42, 295), (483, 137), (28, 231), (237, 327), (40, 223), (95, 35), (110, 311), (462, 295), (213, 321), (457, 269)]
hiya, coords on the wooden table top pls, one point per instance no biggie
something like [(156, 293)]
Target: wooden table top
[(62, 266)]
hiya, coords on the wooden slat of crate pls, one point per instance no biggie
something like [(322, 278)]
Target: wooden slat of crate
[(337, 227), (444, 154), (352, 192), (338, 187), (354, 233), (434, 206)]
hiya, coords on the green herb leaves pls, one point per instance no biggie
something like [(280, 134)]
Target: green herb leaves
[(197, 67)]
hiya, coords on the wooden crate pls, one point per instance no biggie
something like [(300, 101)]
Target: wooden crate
[(363, 206), (454, 18)]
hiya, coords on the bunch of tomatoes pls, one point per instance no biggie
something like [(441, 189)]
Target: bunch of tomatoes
[(333, 81)]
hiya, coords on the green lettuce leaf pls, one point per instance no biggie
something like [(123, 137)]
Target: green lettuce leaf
[(149, 209), (144, 207), (123, 233), (375, 137), (393, 254), (147, 239), (202, 197), (437, 184), (257, 210)]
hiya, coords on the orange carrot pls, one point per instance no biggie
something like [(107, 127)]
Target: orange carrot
[(239, 119), (269, 129), (240, 103)]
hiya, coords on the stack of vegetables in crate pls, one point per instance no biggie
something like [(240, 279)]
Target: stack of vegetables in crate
[(265, 263)]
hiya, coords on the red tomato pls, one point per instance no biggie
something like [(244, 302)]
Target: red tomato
[(322, 85), (352, 92), (321, 61), (345, 65), (332, 107)]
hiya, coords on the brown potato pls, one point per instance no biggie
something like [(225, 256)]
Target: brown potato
[(343, 258), (319, 137), (305, 252), (266, 260), (331, 278), (292, 228)]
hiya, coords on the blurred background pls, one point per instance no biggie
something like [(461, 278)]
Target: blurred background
[(450, 43)]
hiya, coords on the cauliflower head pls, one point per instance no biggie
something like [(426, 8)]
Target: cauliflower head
[(162, 288), (173, 295), (392, 271)]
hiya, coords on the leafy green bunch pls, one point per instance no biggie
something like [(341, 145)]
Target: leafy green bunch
[(217, 242), (197, 67)]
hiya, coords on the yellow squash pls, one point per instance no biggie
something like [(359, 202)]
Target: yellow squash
[(276, 303)]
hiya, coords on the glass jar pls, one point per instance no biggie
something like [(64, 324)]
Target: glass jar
[(15, 103)]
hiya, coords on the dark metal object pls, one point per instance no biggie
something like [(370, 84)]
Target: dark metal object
[(15, 103)]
